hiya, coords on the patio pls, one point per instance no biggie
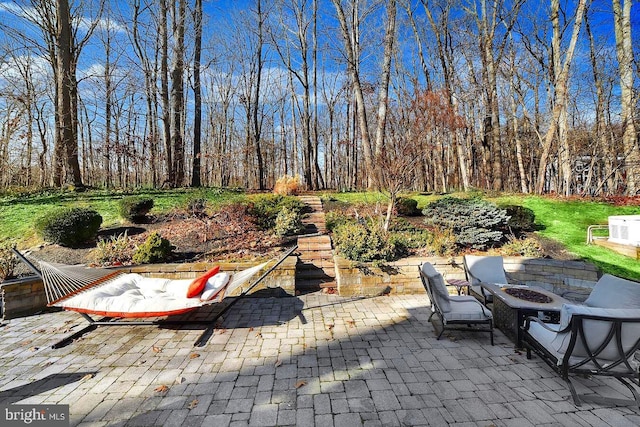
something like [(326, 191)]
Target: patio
[(338, 361)]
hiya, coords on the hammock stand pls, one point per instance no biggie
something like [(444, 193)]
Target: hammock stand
[(116, 321)]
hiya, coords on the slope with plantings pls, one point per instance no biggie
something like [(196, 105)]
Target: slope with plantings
[(560, 226)]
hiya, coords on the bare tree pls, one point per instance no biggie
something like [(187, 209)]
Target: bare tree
[(624, 51)]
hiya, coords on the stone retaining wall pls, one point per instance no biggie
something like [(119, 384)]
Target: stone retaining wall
[(21, 297), (402, 277)]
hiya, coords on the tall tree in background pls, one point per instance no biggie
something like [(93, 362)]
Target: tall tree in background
[(560, 86), (624, 51), (351, 38), (197, 94), (177, 92)]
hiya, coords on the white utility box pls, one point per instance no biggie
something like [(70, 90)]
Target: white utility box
[(625, 229)]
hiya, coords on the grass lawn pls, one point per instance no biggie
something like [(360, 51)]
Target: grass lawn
[(565, 221), (17, 213)]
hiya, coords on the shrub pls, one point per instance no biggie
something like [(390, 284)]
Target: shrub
[(155, 249), (407, 207), (287, 185), (135, 208), (521, 218), (113, 251), (528, 247), (442, 242), (265, 208), (334, 218), (8, 261), (69, 227), (476, 223), (359, 242), (288, 222)]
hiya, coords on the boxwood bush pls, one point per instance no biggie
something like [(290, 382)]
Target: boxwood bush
[(155, 249), (476, 223), (69, 227), (358, 241), (407, 207), (135, 208), (265, 208)]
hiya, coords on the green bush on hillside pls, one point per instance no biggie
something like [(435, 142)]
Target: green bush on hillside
[(359, 242), (288, 222), (155, 249), (69, 227), (135, 208), (407, 207), (476, 223), (520, 218), (266, 207)]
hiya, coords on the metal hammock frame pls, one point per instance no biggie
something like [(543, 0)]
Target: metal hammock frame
[(63, 281)]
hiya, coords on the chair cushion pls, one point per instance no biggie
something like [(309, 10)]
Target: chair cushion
[(614, 292), (438, 287), (486, 269), (596, 330), (465, 308)]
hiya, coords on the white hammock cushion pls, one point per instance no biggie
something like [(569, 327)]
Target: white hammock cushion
[(132, 295)]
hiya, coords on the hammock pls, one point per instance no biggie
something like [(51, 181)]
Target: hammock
[(115, 294)]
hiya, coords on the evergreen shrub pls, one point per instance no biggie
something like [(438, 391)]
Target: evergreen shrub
[(288, 222), (70, 227), (407, 206), (520, 218), (155, 249), (475, 223), (359, 242), (265, 208), (135, 208)]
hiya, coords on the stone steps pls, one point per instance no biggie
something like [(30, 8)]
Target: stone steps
[(315, 269)]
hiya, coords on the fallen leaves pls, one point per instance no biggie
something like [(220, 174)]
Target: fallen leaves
[(301, 384), (156, 349), (161, 389), (193, 404), (194, 355)]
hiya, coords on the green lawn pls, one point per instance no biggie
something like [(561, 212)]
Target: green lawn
[(17, 213)]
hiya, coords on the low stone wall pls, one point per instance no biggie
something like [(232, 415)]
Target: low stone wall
[(21, 297), (402, 277), (26, 296)]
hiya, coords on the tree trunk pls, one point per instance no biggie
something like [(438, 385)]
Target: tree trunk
[(65, 93), (197, 95), (624, 52), (561, 95)]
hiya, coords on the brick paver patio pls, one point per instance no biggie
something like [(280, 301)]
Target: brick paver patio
[(311, 360)]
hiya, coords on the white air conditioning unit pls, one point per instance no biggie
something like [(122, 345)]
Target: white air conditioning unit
[(625, 229)]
